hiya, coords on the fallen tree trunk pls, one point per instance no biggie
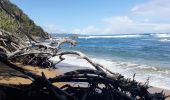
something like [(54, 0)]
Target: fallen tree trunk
[(99, 86), (38, 54), (100, 83)]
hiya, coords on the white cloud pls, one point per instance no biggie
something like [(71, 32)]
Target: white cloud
[(153, 8), (52, 28), (152, 12), (124, 25), (146, 20), (92, 29), (118, 20)]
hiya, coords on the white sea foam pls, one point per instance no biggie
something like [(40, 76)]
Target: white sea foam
[(160, 39), (164, 40), (158, 78), (166, 35), (111, 36), (73, 60)]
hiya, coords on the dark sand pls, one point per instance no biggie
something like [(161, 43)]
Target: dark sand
[(6, 78)]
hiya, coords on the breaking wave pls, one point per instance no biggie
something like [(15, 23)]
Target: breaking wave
[(166, 35), (110, 36), (164, 40), (158, 77)]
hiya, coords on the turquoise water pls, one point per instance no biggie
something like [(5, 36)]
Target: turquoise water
[(147, 55)]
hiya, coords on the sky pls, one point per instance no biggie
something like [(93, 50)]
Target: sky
[(99, 16)]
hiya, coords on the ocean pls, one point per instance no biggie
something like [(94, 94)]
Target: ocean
[(146, 55)]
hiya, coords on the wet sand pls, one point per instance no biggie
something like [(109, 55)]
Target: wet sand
[(155, 89), (6, 78)]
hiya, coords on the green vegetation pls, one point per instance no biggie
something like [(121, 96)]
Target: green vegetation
[(14, 20)]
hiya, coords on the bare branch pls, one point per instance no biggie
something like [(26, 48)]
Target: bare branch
[(59, 42), (83, 56)]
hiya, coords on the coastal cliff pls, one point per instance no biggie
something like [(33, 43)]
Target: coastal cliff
[(14, 20)]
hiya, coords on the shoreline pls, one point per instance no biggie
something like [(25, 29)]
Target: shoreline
[(152, 89), (157, 78), (6, 74), (6, 78)]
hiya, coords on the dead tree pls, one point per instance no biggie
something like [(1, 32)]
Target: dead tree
[(99, 83), (58, 42), (32, 53), (99, 86), (10, 41), (38, 53), (83, 56)]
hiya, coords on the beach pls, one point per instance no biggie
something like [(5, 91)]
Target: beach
[(121, 48), (156, 90), (146, 55), (7, 78)]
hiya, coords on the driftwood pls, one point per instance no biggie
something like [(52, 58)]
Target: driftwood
[(83, 56), (99, 86), (91, 84), (58, 42), (34, 53), (2, 49), (10, 41), (38, 54)]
